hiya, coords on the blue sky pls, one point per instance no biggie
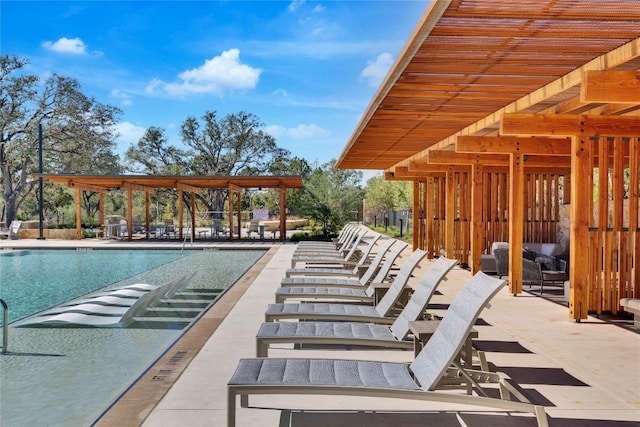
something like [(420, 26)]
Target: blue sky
[(307, 69)]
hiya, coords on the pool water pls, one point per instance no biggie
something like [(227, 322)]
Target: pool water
[(69, 376), (33, 280)]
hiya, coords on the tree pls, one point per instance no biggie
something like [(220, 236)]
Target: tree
[(78, 131), (331, 196), (384, 196)]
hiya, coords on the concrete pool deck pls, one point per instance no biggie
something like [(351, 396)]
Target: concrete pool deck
[(586, 374)]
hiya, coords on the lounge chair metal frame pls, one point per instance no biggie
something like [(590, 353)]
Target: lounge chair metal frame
[(357, 294), (434, 368), (357, 312), (358, 333)]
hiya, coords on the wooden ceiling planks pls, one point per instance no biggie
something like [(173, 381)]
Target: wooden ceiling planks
[(469, 61)]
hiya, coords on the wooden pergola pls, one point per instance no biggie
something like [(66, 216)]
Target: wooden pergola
[(499, 111), (236, 184)]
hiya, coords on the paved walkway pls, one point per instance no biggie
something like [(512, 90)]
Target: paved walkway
[(586, 374)]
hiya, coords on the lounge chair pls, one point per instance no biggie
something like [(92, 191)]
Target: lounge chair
[(435, 368), (357, 271), (363, 313), (12, 231), (357, 294), (357, 333), (336, 242), (374, 271), (116, 309), (324, 257)]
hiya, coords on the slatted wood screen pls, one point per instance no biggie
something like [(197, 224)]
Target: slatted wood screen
[(614, 241)]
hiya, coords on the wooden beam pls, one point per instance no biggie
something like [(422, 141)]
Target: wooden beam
[(448, 157), (236, 188), (137, 187), (451, 194), (425, 167), (87, 187), (129, 214), (611, 86), (512, 144), (78, 214), (186, 187), (569, 124), (283, 214)]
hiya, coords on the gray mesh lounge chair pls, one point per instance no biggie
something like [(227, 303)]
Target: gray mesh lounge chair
[(356, 333), (376, 271), (356, 271), (331, 258), (357, 294), (364, 313), (434, 367), (336, 243)]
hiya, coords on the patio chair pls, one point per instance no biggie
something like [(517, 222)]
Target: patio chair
[(366, 313), (357, 271), (11, 232), (356, 333), (354, 239), (341, 245), (336, 242), (374, 269), (435, 368), (355, 294), (329, 258)]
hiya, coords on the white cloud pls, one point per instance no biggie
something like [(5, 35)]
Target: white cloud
[(215, 76), (295, 4), (301, 131), (64, 45), (376, 70), (318, 9), (281, 92), (123, 96), (129, 133)]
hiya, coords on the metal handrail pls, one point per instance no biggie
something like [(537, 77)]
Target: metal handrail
[(5, 326)]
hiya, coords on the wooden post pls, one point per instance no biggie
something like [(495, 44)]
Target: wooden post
[(129, 214), (101, 212), (516, 220), (147, 215), (450, 215), (231, 213), (416, 215), (180, 213), (239, 195), (477, 220), (579, 237), (283, 214), (193, 216), (78, 214)]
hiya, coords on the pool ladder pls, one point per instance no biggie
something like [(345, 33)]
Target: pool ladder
[(5, 326)]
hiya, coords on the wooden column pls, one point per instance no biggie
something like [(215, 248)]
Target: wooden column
[(450, 209), (147, 215), (193, 216), (78, 214), (416, 215), (477, 220), (180, 213), (101, 211), (516, 219), (579, 237), (231, 213), (239, 223), (283, 214), (129, 214), (429, 215)]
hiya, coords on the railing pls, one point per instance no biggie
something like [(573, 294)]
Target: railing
[(5, 326)]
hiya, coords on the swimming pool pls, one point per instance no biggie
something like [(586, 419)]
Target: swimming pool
[(67, 377), (33, 280)]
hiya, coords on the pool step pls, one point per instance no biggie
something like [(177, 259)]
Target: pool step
[(170, 312)]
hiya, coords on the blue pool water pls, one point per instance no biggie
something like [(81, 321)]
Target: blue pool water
[(33, 280), (69, 376)]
